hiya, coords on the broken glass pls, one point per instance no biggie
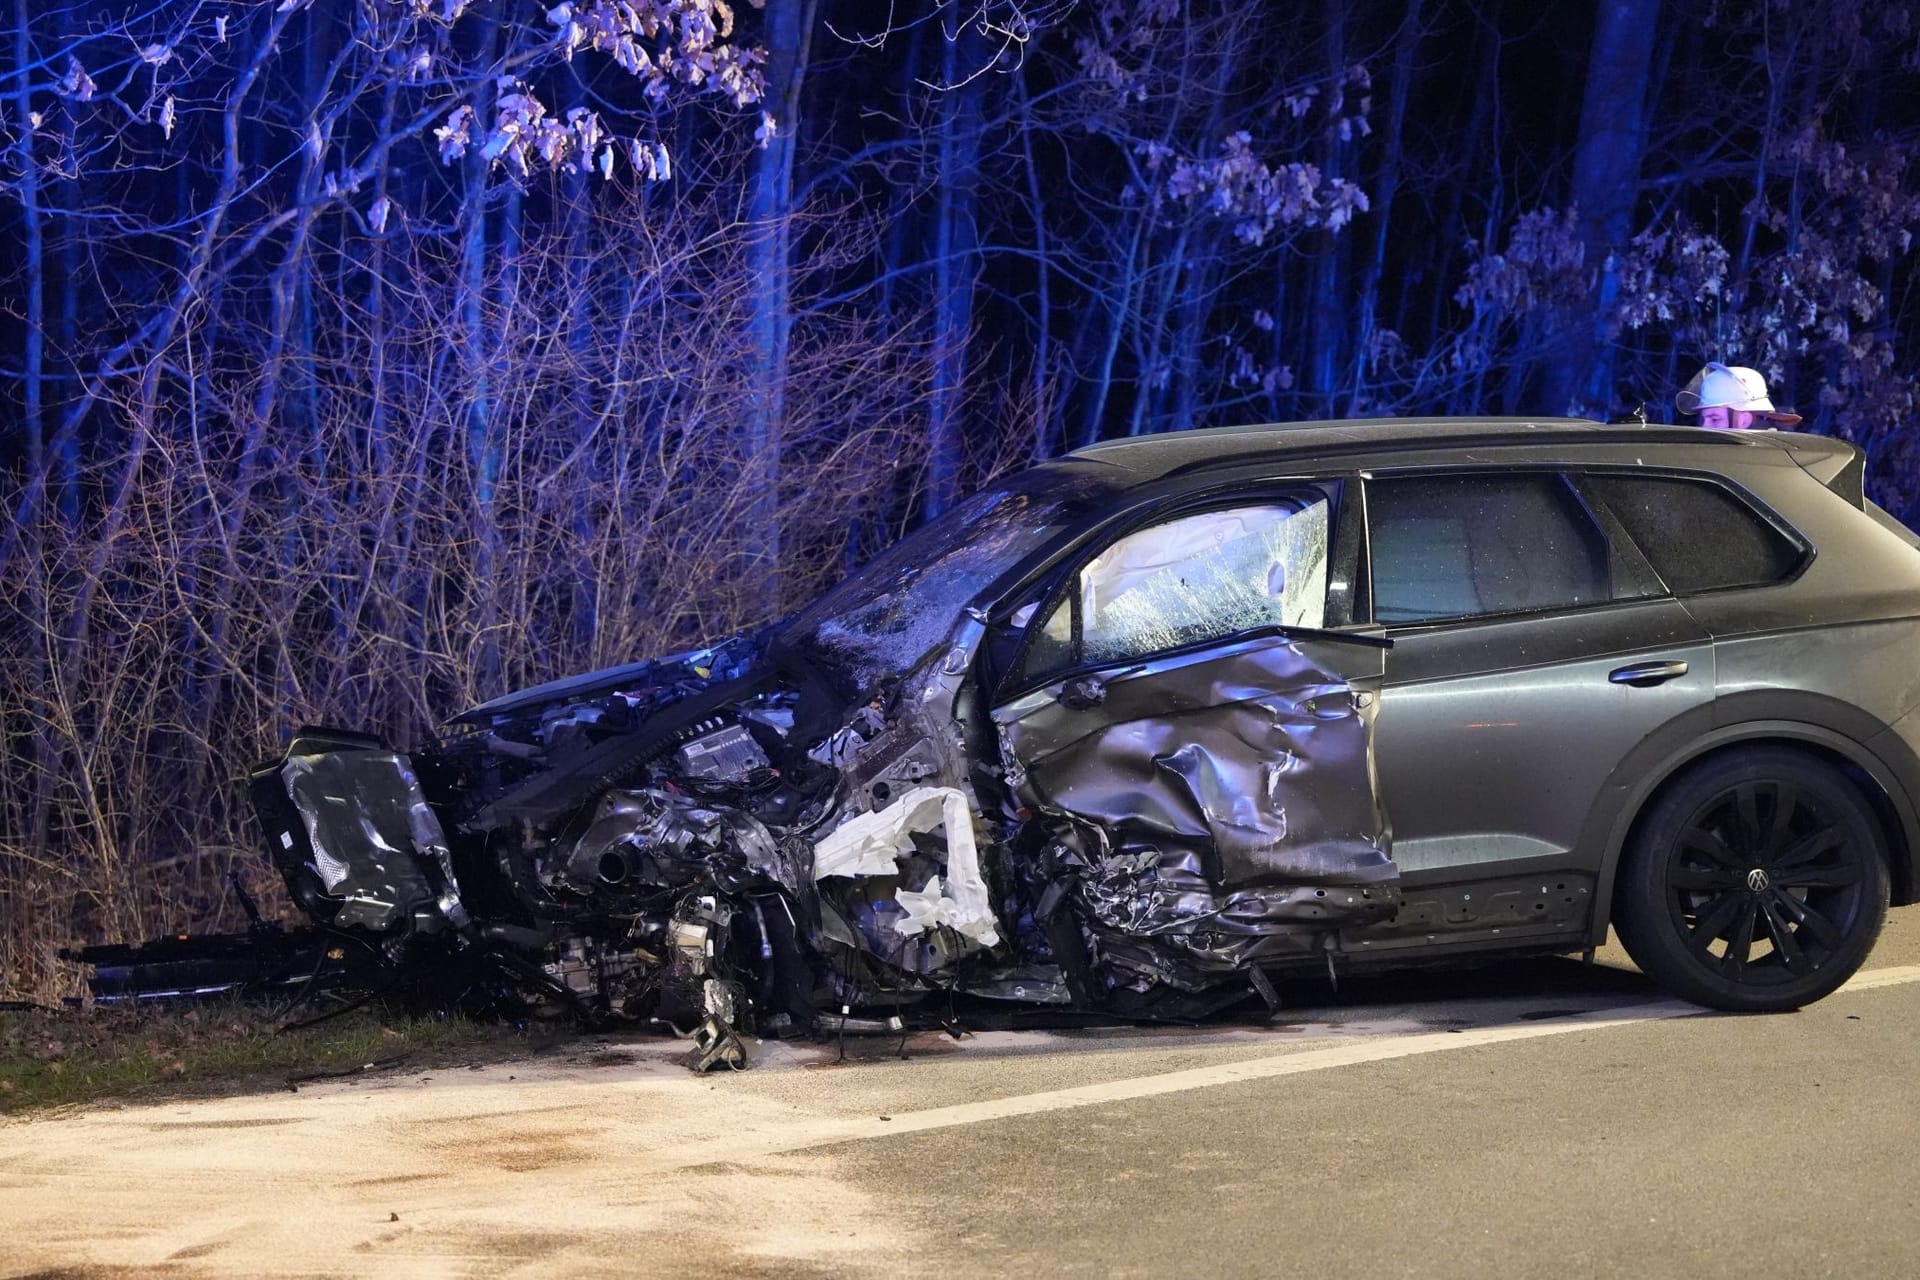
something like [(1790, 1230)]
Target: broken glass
[(890, 613), (1204, 577)]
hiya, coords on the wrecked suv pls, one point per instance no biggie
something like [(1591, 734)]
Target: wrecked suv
[(1143, 731)]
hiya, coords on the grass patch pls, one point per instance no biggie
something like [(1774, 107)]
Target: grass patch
[(57, 1057)]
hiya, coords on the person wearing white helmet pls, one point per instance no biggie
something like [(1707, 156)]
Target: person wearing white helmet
[(1731, 397)]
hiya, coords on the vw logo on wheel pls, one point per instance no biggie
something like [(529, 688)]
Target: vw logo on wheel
[(1757, 880)]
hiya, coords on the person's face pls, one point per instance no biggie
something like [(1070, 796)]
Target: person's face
[(1718, 415)]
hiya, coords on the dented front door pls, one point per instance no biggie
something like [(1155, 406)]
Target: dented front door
[(1216, 793), (1256, 756)]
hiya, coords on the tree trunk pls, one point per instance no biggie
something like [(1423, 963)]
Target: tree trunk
[(1386, 185), (1151, 356), (33, 358), (1328, 320), (789, 36), (45, 754), (955, 248), (1578, 372), (1117, 302), (1044, 403), (1191, 272), (1444, 266), (483, 457), (577, 218)]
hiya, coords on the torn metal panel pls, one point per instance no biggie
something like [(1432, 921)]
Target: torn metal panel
[(1216, 810), (655, 680), (372, 836), (1252, 758), (1157, 916), (847, 744), (1033, 984)]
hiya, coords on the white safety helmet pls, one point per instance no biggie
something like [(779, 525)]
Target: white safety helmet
[(1733, 388)]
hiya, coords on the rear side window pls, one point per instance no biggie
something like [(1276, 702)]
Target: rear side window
[(1463, 546), (1699, 536)]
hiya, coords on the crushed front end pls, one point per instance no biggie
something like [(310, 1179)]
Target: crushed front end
[(711, 843), (827, 825), (719, 844)]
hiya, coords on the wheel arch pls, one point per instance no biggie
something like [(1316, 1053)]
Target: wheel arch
[(1877, 782)]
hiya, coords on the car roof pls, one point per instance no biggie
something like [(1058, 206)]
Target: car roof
[(1154, 457)]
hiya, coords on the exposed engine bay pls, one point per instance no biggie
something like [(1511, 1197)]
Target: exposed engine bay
[(722, 842)]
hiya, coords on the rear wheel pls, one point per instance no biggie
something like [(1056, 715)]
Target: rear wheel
[(1757, 882)]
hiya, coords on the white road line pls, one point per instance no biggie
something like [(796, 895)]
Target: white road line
[(1868, 979), (798, 1135)]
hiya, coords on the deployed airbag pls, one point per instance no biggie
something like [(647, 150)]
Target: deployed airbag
[(870, 843)]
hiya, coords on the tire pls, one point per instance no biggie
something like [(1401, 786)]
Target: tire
[(1755, 883)]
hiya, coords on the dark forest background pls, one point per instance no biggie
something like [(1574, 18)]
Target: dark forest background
[(362, 358)]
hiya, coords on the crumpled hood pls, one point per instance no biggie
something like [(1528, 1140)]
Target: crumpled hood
[(690, 670)]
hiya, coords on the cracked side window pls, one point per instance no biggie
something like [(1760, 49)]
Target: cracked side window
[(1199, 578), (1697, 535), (1466, 546)]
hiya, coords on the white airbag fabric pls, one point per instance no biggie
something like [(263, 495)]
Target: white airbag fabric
[(869, 844)]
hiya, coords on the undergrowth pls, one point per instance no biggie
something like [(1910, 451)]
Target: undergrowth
[(57, 1057)]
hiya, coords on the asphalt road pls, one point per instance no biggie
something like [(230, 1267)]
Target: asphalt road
[(1535, 1119)]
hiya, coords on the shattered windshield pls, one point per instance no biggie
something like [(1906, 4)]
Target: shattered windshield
[(888, 614)]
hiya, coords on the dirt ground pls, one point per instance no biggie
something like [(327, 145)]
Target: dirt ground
[(452, 1174)]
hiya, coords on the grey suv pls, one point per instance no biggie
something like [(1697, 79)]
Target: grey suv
[(1149, 728)]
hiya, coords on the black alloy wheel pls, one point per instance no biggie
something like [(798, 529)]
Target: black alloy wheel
[(1757, 882)]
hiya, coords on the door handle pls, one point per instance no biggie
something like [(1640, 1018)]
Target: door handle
[(1645, 675)]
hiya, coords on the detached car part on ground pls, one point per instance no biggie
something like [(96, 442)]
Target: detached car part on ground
[(1123, 735)]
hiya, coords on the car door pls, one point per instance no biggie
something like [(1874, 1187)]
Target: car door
[(1533, 649), (1182, 703)]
